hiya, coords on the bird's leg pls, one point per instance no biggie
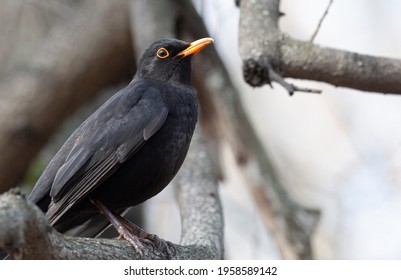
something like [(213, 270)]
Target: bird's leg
[(121, 229), (133, 233)]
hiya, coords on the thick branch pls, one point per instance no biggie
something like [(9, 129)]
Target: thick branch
[(201, 213), (260, 37), (340, 68), (75, 61)]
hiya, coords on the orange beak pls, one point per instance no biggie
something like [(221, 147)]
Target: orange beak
[(195, 47)]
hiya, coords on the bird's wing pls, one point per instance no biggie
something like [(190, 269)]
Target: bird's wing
[(105, 141)]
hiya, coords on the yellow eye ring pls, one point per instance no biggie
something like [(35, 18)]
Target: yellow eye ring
[(162, 53)]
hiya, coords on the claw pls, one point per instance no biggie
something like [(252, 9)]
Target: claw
[(133, 240), (148, 238)]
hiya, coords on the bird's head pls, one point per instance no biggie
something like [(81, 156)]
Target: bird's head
[(170, 60)]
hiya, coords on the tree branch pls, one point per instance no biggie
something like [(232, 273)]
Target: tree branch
[(201, 212), (319, 25), (260, 37)]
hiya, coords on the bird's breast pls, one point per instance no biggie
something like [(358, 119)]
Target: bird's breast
[(149, 170)]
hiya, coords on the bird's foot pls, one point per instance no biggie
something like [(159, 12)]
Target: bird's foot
[(161, 245), (134, 234), (134, 240), (152, 239)]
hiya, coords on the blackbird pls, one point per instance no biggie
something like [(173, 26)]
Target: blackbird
[(129, 149)]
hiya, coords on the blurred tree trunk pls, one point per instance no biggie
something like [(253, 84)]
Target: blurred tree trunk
[(73, 62)]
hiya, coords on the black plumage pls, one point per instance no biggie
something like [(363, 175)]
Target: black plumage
[(131, 147)]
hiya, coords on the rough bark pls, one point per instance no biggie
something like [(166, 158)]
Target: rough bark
[(200, 207), (269, 54), (77, 60)]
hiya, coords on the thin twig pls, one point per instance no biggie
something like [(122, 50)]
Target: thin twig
[(272, 75), (291, 88), (321, 21)]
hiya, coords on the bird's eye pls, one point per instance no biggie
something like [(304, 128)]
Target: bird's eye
[(162, 53)]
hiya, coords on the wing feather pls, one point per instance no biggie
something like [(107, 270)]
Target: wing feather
[(113, 134)]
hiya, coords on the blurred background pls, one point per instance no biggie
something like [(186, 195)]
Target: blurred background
[(338, 152)]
